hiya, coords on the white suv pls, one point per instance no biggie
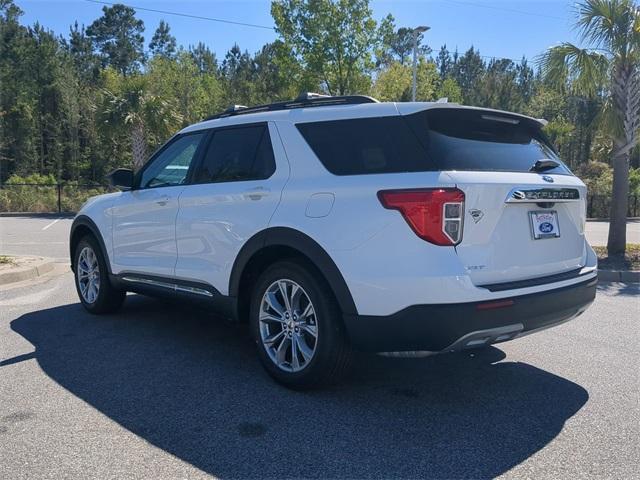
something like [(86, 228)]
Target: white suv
[(332, 223)]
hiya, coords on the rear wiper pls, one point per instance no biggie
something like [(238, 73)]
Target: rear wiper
[(542, 165)]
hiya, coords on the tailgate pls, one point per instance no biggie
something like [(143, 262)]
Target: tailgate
[(520, 226)]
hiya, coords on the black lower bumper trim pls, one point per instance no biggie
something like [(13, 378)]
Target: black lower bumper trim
[(534, 282), (436, 327)]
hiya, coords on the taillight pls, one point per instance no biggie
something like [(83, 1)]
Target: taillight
[(435, 214)]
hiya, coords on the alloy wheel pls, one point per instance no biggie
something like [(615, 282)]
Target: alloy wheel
[(88, 275), (288, 325)]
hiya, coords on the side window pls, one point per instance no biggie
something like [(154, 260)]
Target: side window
[(171, 166), (238, 154), (366, 145)]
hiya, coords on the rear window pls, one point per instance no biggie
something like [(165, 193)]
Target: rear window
[(366, 145), (438, 139), (458, 139)]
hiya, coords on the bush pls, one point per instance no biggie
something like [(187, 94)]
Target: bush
[(598, 176), (634, 181), (39, 194)]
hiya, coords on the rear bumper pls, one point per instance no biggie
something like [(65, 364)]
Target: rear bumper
[(445, 327)]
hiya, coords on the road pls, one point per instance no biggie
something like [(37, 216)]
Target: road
[(160, 390), (597, 232)]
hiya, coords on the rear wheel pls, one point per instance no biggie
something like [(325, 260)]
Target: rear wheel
[(95, 291), (296, 324)]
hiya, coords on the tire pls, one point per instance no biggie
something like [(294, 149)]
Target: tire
[(102, 297), (276, 326)]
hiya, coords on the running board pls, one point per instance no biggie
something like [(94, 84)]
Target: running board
[(168, 285)]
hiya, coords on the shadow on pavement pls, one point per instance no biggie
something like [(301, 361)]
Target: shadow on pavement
[(194, 388), (619, 288)]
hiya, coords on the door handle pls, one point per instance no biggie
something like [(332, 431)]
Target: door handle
[(256, 193), (163, 200)]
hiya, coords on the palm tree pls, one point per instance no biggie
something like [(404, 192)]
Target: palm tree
[(609, 69), (135, 108)]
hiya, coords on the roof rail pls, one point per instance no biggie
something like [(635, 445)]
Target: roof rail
[(235, 108), (305, 99)]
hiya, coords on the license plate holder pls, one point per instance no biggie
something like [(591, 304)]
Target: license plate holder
[(544, 224)]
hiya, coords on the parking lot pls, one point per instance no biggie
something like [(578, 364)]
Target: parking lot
[(160, 390)]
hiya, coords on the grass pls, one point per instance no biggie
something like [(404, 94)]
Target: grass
[(5, 260), (631, 260)]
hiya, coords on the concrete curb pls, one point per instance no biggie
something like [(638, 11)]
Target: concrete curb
[(627, 276), (38, 267)]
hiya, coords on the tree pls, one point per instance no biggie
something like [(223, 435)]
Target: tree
[(80, 47), (204, 58), (238, 72), (129, 106), (402, 44), (397, 45), (498, 86), (277, 76), (394, 83), (193, 95), (334, 40), (163, 43), (467, 71), (118, 36), (450, 90), (610, 68), (444, 62)]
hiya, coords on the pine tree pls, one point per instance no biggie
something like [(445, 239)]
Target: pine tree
[(205, 59), (162, 42), (118, 36)]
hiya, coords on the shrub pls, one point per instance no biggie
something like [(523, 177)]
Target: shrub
[(598, 176), (39, 194)]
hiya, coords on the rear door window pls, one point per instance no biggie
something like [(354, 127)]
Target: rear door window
[(465, 139), (237, 154)]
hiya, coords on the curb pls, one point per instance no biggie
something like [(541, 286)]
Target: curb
[(606, 219), (29, 272), (627, 276)]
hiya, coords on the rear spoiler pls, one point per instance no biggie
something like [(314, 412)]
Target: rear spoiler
[(407, 108)]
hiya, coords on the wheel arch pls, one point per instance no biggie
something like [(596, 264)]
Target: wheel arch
[(83, 225), (283, 242)]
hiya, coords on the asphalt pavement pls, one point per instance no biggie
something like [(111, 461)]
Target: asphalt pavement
[(163, 390)]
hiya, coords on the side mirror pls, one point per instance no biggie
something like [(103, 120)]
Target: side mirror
[(121, 178)]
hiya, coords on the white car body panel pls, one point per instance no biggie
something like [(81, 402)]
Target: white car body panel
[(216, 219), (100, 210), (144, 239), (499, 247)]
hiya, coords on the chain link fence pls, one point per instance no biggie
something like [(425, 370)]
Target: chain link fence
[(47, 197), (69, 197)]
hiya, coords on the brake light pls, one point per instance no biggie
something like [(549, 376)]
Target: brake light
[(435, 214)]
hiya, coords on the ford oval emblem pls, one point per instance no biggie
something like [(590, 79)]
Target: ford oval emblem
[(546, 227), (547, 178)]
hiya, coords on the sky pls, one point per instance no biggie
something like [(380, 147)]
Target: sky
[(498, 28)]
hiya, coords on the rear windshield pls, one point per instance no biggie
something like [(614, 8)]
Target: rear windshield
[(459, 139), (438, 139)]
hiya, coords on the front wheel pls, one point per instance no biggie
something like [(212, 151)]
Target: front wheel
[(295, 321), (92, 279)]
